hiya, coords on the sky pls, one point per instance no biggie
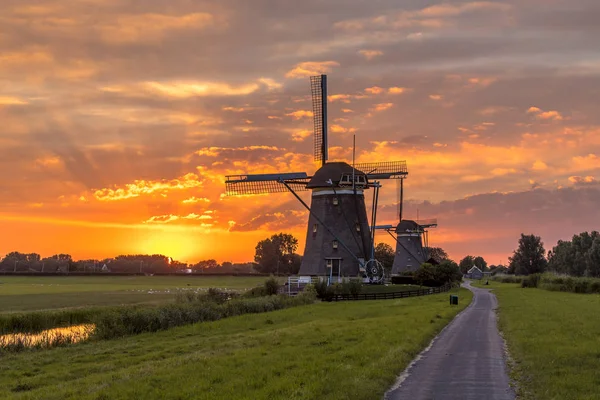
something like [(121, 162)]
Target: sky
[(119, 119)]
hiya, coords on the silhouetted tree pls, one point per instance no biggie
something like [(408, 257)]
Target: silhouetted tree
[(437, 253), (529, 257), (466, 264), (480, 263), (384, 253), (276, 254)]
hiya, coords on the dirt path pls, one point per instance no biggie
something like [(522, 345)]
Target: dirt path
[(466, 361)]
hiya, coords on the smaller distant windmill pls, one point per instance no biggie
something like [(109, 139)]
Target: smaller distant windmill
[(339, 240), (412, 239)]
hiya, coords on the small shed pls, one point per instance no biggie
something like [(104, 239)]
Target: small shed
[(474, 273)]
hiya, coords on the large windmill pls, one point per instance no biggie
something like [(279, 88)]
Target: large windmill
[(339, 240)]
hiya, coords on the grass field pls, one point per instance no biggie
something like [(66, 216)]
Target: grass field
[(18, 293), (326, 350), (553, 338)]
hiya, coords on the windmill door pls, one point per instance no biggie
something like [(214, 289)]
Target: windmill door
[(334, 269)]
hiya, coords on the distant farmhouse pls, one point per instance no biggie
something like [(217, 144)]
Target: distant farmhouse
[(474, 273)]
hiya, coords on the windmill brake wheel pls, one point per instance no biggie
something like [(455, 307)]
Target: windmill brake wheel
[(375, 271)]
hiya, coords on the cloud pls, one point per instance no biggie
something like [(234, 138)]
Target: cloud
[(12, 101), (382, 107), (311, 68), (545, 115), (299, 114), (580, 180), (396, 90), (143, 187), (370, 54), (374, 90)]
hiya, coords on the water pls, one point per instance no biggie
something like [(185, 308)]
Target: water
[(48, 338)]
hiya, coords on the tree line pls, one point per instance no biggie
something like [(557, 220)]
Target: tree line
[(129, 264)]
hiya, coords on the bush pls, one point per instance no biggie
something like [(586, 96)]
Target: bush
[(564, 283), (258, 291), (324, 292), (502, 278), (531, 281), (271, 286)]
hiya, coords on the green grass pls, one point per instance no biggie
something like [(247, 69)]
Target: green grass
[(553, 338), (326, 350), (18, 293)]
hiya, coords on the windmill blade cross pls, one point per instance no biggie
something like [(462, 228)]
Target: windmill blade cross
[(236, 185)]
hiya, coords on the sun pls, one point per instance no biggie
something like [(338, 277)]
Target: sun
[(179, 246)]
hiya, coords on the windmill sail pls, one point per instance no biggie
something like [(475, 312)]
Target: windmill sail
[(383, 170), (236, 185), (318, 85)]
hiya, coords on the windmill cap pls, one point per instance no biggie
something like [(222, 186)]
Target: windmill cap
[(408, 225), (330, 174)]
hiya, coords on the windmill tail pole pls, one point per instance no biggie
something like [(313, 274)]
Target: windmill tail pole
[(362, 264), (374, 217), (324, 118), (401, 198)]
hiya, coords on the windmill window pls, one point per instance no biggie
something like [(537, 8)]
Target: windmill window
[(315, 228), (360, 179), (357, 227), (335, 201), (329, 263), (335, 244)]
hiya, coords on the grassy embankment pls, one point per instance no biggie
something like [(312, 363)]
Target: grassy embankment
[(18, 293), (326, 350), (553, 338)]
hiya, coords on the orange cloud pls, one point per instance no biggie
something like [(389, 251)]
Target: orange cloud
[(311, 68), (194, 200), (396, 90), (299, 114), (143, 187), (382, 106), (546, 115), (375, 90), (435, 96), (301, 135), (12, 101), (370, 54), (581, 179)]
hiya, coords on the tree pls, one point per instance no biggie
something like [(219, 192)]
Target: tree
[(448, 271), (425, 274), (480, 263), (529, 257), (277, 254), (561, 256), (384, 253), (437, 253), (437, 275), (593, 257), (466, 264)]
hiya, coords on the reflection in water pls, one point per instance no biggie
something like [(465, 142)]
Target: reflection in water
[(48, 338)]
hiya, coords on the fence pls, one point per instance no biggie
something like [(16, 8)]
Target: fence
[(392, 295)]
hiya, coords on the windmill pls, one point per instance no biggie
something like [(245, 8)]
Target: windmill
[(409, 236), (339, 240)]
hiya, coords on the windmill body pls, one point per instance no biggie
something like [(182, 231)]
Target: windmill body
[(339, 205), (339, 241), (409, 247), (410, 252)]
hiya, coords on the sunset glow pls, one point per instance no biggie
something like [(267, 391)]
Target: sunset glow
[(119, 143)]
